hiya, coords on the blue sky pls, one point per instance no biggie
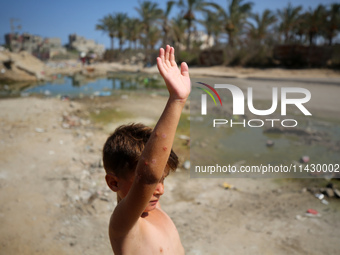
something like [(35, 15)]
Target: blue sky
[(63, 17)]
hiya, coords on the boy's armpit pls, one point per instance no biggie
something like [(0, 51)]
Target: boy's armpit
[(120, 222), (117, 233)]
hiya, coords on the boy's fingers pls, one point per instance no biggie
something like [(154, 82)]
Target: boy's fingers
[(167, 51), (167, 55), (172, 57), (161, 65), (161, 54), (184, 69)]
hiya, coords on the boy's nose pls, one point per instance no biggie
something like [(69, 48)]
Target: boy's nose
[(159, 189)]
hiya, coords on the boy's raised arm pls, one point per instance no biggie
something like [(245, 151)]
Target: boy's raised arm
[(151, 165)]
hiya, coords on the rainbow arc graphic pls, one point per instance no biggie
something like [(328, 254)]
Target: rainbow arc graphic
[(204, 97)]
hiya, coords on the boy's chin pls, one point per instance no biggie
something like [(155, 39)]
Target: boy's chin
[(150, 207)]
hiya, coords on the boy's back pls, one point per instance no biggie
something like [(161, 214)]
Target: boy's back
[(136, 161)]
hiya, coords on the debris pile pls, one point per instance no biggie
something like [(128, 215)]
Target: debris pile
[(71, 121), (330, 191), (20, 66)]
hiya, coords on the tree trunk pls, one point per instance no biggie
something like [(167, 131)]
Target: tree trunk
[(147, 29), (330, 40), (111, 37), (120, 44), (286, 37), (208, 40), (230, 39), (189, 34), (165, 36), (311, 37)]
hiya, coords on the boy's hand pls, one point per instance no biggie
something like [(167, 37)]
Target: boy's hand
[(177, 82)]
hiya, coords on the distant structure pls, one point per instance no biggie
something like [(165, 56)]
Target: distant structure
[(88, 46), (201, 39), (43, 48)]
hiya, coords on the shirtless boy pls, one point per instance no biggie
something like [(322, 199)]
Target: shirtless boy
[(136, 161)]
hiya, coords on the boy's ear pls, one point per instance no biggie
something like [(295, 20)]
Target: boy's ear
[(112, 182)]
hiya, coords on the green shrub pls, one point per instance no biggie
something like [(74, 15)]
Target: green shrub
[(191, 58)]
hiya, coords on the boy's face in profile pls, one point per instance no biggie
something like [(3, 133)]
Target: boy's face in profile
[(125, 184)]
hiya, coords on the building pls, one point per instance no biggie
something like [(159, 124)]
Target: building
[(43, 48), (200, 38), (81, 44)]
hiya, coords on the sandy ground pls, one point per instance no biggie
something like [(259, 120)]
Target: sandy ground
[(54, 199)]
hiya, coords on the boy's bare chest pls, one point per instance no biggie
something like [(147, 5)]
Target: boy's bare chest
[(156, 235)]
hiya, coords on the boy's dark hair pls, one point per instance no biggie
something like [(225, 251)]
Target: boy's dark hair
[(124, 147)]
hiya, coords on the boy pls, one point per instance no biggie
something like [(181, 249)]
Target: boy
[(136, 161)]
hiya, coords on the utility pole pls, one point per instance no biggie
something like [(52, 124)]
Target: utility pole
[(13, 25)]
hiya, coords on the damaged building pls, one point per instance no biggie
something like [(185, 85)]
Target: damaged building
[(81, 44), (43, 48)]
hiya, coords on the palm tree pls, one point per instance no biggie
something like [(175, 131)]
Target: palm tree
[(290, 19), (259, 31), (108, 25), (190, 7), (154, 35), (149, 14), (120, 22), (212, 24), (133, 30), (178, 30), (298, 29), (235, 17), (314, 21), (165, 18), (333, 24)]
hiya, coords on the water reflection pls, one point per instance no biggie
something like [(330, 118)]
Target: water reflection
[(79, 85)]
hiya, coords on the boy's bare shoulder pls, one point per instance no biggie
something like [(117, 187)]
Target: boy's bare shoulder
[(153, 234)]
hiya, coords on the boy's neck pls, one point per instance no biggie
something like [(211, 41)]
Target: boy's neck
[(145, 214)]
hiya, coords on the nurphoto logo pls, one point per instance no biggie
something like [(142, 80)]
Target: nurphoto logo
[(204, 97), (239, 104)]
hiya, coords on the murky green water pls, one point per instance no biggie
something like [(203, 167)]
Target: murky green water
[(242, 145), (225, 145)]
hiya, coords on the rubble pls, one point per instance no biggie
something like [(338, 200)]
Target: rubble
[(20, 66), (40, 130), (186, 164), (312, 213), (270, 143), (304, 159), (71, 121), (336, 193), (329, 191)]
